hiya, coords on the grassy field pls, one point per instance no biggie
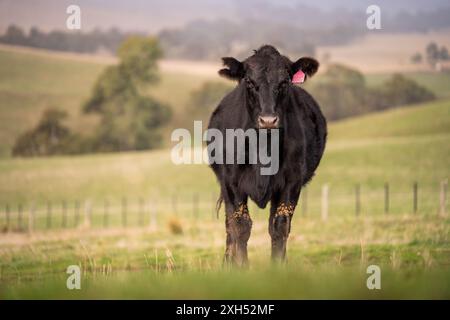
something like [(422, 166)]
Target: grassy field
[(327, 259), (149, 259)]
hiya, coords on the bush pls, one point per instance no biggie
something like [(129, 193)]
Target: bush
[(49, 137), (342, 93), (175, 226), (399, 90)]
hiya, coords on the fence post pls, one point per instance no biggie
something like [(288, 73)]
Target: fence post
[(386, 198), (305, 201), (49, 214), (7, 217), (443, 197), (19, 217), (195, 205), (31, 218), (87, 214), (141, 211), (64, 214), (124, 211), (175, 204), (105, 213), (76, 213), (415, 187), (325, 202), (153, 206), (357, 199)]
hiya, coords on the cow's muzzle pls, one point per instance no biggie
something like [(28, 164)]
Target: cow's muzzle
[(268, 122)]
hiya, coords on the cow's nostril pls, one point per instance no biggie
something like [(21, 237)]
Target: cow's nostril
[(268, 121)]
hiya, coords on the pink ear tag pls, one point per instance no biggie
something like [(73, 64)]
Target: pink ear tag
[(299, 77)]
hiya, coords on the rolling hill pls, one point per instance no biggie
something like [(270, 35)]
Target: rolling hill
[(400, 146), (32, 80)]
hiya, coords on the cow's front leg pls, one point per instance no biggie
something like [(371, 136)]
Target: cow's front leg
[(279, 227), (238, 226)]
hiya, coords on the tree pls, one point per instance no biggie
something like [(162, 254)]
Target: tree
[(129, 121), (432, 52), (443, 54), (14, 35), (138, 59), (341, 92), (416, 58)]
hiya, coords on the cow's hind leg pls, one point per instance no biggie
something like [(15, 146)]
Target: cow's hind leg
[(238, 226)]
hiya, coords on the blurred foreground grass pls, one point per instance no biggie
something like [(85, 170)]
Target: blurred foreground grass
[(326, 260)]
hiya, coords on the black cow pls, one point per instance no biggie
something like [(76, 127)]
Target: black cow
[(265, 97)]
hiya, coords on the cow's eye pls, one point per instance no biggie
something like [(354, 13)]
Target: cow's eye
[(251, 84)]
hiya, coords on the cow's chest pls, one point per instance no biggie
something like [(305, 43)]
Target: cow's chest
[(261, 188)]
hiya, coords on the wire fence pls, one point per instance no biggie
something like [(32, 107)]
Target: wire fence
[(327, 201)]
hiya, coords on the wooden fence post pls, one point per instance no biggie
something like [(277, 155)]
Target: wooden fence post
[(195, 200), (153, 206), (76, 209), (49, 214), (415, 191), (87, 213), (7, 217), (443, 198), (325, 202), (105, 213), (31, 218), (386, 198), (124, 212), (141, 212), (357, 199), (19, 216), (175, 204), (64, 214)]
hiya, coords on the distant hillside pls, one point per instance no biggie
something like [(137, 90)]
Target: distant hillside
[(32, 80), (425, 119)]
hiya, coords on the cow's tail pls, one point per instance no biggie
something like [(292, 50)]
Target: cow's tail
[(219, 204)]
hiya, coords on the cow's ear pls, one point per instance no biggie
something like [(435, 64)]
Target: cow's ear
[(309, 66), (234, 70)]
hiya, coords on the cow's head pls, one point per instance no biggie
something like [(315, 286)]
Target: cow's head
[(267, 77)]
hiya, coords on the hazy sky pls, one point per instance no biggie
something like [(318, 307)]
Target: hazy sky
[(152, 15)]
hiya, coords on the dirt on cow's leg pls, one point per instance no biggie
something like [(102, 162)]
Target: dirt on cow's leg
[(238, 225), (279, 228)]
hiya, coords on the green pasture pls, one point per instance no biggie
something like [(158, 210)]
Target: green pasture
[(140, 226)]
